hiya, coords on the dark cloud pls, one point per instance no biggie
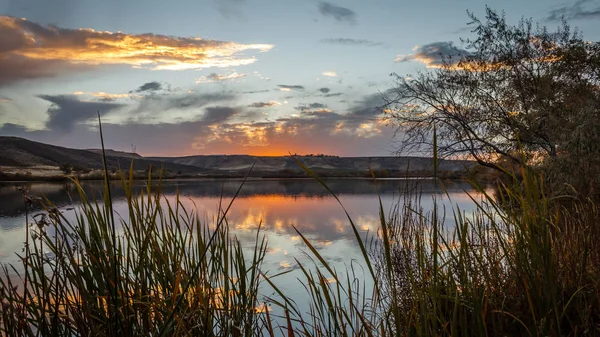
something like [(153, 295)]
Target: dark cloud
[(15, 68), (158, 139), (311, 106), (217, 115), (581, 9), (263, 104), (368, 107), (10, 129), (318, 117), (327, 93), (255, 91), (290, 87), (66, 111), (158, 104), (229, 8), (150, 86), (351, 42), (194, 100), (435, 54), (30, 51), (341, 14), (462, 30)]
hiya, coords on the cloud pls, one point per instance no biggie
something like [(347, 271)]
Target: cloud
[(214, 77), (11, 129), (351, 42), (217, 115), (284, 87), (103, 96), (30, 51), (311, 106), (255, 91), (66, 111), (264, 104), (341, 14), (320, 130), (581, 9), (326, 93), (368, 107), (150, 86), (354, 131), (462, 30), (435, 54), (153, 105), (165, 139), (329, 73), (229, 8), (5, 99)]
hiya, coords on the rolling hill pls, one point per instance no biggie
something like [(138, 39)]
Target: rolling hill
[(19, 153)]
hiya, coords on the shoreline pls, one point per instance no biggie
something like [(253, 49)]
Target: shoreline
[(140, 176), (54, 174)]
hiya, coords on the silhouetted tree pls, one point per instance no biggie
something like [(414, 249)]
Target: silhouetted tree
[(520, 93)]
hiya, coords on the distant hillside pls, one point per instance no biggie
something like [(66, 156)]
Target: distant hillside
[(115, 153), (20, 154), (274, 166)]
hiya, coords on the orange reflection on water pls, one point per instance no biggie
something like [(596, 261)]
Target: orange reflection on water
[(277, 213)]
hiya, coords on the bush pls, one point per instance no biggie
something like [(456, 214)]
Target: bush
[(66, 168)]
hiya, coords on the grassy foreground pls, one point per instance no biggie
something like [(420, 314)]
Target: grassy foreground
[(521, 265)]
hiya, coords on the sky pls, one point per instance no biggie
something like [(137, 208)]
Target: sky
[(260, 77)]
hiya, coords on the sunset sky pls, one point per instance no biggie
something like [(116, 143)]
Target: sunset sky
[(263, 77)]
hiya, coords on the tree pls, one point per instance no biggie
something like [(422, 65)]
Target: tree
[(520, 93), (66, 168)]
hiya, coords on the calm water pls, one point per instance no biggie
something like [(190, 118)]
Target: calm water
[(278, 204)]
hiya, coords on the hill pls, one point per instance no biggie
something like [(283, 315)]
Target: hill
[(114, 153), (19, 152), (327, 165), (18, 155)]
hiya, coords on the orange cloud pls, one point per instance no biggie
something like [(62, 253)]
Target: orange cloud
[(435, 55), (296, 135), (30, 50), (323, 110), (444, 55), (105, 96)]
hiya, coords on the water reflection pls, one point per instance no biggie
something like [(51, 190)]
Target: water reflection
[(278, 206)]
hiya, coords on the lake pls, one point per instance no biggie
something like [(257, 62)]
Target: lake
[(279, 204)]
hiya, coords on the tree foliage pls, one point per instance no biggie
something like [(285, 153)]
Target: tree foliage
[(517, 92)]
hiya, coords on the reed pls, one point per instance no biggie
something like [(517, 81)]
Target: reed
[(522, 264)]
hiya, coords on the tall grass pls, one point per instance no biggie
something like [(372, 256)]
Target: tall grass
[(164, 272), (518, 266), (521, 264)]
